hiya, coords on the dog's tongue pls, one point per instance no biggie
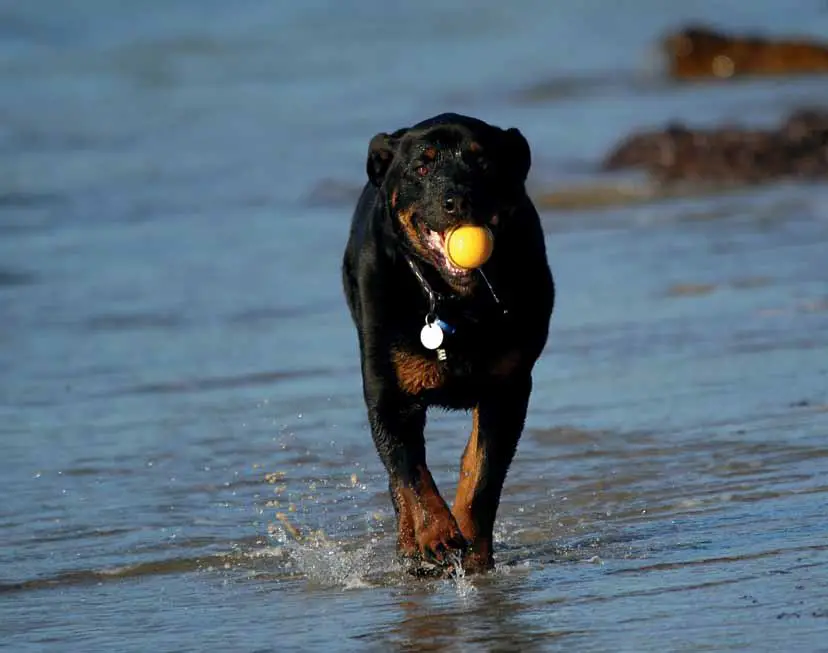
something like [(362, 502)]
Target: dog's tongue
[(437, 241)]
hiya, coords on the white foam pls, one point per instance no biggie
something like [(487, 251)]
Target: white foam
[(463, 586), (324, 561)]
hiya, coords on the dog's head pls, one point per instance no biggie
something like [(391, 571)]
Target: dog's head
[(447, 171)]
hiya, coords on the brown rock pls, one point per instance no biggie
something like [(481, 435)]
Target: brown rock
[(797, 149), (699, 52)]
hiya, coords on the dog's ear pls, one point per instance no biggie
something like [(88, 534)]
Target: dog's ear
[(516, 153), (381, 153)]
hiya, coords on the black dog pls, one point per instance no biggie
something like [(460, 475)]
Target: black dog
[(447, 171)]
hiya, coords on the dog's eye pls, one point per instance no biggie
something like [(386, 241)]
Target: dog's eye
[(422, 170)]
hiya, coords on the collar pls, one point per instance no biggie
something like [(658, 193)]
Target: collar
[(435, 298)]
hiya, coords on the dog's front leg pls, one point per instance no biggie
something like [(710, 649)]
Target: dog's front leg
[(425, 525), (497, 423)]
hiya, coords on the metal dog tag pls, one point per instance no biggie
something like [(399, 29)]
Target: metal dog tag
[(431, 335)]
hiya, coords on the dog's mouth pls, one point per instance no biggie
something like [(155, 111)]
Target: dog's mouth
[(435, 241)]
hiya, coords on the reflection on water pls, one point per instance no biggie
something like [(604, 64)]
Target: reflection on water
[(185, 456)]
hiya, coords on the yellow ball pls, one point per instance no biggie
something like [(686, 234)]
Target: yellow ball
[(469, 246)]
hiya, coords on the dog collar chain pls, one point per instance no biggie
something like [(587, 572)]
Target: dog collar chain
[(494, 294), (434, 331), (433, 297)]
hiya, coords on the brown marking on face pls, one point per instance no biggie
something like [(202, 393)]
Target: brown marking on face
[(406, 218), (430, 153), (475, 147), (415, 373)]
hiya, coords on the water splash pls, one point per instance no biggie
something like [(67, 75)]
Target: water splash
[(463, 586), (322, 560), (329, 563)]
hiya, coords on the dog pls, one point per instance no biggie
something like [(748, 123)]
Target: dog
[(493, 322)]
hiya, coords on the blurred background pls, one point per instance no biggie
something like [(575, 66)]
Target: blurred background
[(184, 458)]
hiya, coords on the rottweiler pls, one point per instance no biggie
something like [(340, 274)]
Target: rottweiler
[(493, 321)]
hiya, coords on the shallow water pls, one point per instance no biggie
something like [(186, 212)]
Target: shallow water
[(186, 463)]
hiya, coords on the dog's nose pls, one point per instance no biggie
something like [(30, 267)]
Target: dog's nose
[(453, 203)]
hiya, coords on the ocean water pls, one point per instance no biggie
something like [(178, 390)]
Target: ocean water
[(186, 463)]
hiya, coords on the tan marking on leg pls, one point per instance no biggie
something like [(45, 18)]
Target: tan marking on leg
[(471, 471), (406, 542), (479, 555), (434, 524)]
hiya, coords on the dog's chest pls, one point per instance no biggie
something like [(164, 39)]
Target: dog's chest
[(471, 352)]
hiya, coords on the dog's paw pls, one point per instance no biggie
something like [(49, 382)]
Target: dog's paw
[(476, 562), (439, 538)]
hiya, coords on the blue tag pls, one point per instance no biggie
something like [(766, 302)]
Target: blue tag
[(445, 327)]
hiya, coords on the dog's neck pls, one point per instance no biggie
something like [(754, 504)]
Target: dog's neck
[(435, 299)]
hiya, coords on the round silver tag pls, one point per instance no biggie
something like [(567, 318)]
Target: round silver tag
[(431, 336)]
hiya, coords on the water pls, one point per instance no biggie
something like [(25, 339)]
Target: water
[(186, 464)]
